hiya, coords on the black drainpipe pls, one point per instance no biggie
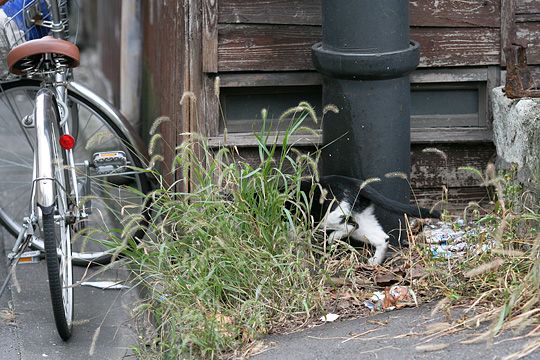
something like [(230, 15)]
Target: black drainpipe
[(365, 57)]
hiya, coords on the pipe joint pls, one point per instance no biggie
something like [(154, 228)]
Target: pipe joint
[(365, 66)]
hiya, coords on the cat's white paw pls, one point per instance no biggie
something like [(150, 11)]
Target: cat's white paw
[(374, 261)]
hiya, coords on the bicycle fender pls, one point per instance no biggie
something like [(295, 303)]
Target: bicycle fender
[(45, 114)]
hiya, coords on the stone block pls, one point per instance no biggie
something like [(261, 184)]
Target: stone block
[(516, 134)]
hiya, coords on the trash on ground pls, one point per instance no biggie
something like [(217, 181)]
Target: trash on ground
[(329, 317), (105, 285), (394, 297), (447, 240)]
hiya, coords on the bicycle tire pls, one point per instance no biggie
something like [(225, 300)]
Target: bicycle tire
[(16, 100), (60, 282), (51, 207)]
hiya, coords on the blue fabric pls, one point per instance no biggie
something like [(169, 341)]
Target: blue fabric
[(13, 9)]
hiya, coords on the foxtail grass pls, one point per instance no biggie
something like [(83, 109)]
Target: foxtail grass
[(233, 258)]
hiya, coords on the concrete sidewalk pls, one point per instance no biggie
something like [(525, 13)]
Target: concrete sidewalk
[(390, 335), (27, 329)]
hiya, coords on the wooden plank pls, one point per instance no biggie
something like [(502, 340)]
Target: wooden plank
[(457, 47), (494, 80), (528, 17), (193, 100), (247, 140), (270, 79), (458, 198), (164, 73), (441, 167), (292, 12), (210, 35), (449, 75), (302, 78), (530, 33), (418, 136), (476, 13), (266, 47), (508, 26), (210, 109), (288, 47), (444, 121), (195, 54), (528, 7), (451, 135), (429, 173)]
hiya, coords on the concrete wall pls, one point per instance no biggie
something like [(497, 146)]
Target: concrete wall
[(516, 133)]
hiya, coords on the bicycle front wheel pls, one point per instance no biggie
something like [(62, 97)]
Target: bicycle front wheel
[(108, 196)]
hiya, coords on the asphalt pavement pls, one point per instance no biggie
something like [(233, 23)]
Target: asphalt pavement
[(102, 328), (398, 334)]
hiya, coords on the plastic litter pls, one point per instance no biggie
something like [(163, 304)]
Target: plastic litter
[(329, 317), (394, 297), (105, 285), (454, 239)]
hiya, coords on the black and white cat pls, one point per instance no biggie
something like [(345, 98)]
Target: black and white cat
[(346, 209)]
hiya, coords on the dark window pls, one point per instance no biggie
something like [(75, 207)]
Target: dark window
[(432, 105), (448, 105), (242, 106)]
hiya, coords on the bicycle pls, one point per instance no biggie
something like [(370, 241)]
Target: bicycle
[(77, 168)]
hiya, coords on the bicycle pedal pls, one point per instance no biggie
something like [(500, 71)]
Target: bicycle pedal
[(30, 257), (109, 162)]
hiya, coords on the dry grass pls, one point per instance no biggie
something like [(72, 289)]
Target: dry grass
[(498, 279)]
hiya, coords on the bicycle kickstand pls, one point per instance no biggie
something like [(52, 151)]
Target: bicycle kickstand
[(23, 239)]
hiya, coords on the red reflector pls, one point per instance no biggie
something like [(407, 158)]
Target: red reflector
[(67, 142)]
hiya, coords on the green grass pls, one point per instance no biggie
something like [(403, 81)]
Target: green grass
[(232, 258)]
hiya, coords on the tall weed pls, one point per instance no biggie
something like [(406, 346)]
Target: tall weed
[(232, 258)]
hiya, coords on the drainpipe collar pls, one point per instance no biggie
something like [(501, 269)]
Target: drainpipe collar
[(365, 66)]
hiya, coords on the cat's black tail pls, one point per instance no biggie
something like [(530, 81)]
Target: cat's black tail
[(397, 207)]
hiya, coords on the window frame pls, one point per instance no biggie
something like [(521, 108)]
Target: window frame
[(482, 78)]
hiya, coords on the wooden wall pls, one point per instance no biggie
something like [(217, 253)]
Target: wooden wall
[(276, 35), (204, 47), (432, 172), (268, 43)]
